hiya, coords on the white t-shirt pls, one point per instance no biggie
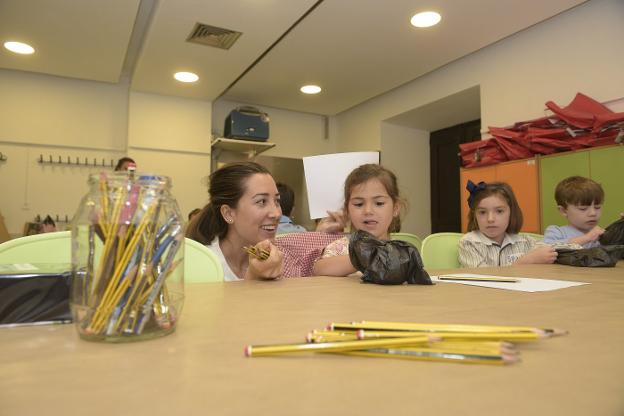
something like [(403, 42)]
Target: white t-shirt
[(228, 274)]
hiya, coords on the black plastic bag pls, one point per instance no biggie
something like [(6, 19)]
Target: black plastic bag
[(386, 262), (603, 256), (614, 234), (34, 297)]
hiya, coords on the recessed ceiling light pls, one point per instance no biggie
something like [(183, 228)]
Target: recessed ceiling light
[(425, 19), (19, 47), (310, 89), (185, 76)]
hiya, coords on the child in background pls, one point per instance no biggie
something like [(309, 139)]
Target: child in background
[(494, 221), (372, 204), (580, 200), (287, 202)]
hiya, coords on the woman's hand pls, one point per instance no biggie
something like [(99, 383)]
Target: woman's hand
[(335, 222), (542, 254), (271, 268)]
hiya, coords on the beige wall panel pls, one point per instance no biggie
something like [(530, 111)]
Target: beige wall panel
[(405, 151), (188, 172), (48, 110), (169, 123)]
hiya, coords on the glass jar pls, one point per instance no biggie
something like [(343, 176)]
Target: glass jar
[(127, 258)]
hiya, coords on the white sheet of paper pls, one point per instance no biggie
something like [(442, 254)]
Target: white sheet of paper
[(524, 284), (325, 176)]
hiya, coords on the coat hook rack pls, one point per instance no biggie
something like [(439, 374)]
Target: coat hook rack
[(67, 161)]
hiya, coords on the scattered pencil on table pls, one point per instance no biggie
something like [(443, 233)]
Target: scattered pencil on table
[(258, 253), (479, 279), (455, 343)]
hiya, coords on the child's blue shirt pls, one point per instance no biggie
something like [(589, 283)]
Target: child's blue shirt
[(563, 234)]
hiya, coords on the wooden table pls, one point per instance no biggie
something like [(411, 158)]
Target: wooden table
[(200, 369)]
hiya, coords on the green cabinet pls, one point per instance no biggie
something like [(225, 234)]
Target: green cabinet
[(604, 165), (607, 168)]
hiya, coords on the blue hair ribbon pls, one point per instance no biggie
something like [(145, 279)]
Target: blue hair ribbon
[(474, 190)]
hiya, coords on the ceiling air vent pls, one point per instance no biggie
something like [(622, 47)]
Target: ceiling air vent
[(213, 36)]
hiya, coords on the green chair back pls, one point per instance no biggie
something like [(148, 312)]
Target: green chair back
[(413, 239), (440, 251), (201, 264), (538, 237), (39, 248)]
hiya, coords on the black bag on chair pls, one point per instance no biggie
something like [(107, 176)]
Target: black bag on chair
[(386, 262), (603, 256)]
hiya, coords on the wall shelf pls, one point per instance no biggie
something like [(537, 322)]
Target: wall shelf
[(246, 147), (249, 147)]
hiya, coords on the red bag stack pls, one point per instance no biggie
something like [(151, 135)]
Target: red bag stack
[(583, 123)]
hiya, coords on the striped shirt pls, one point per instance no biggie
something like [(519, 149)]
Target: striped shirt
[(476, 250)]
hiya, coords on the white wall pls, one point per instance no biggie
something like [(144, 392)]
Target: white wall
[(405, 151), (48, 110), (171, 136), (579, 50), (46, 116)]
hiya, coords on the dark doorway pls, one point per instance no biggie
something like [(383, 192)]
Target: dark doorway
[(445, 163)]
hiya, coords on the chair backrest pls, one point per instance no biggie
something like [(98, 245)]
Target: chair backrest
[(440, 251), (201, 264), (413, 239), (538, 237), (39, 248)]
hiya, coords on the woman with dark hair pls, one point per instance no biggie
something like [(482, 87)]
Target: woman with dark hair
[(244, 211)]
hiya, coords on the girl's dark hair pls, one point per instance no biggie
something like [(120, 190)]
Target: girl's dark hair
[(363, 174), (121, 161), (504, 191), (227, 186)]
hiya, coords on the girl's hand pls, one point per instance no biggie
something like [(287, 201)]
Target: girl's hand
[(543, 254), (335, 222), (271, 268)]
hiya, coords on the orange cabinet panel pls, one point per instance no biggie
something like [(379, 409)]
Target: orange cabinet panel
[(522, 175)]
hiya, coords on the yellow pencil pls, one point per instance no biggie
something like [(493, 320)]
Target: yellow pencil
[(497, 359), (438, 328), (472, 347), (325, 336), (500, 336), (258, 350), (260, 254)]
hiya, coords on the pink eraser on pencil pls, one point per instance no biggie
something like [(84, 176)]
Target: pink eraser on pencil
[(248, 351), (330, 327), (360, 334)]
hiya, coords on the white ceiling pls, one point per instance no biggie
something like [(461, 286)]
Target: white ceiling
[(354, 49)]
